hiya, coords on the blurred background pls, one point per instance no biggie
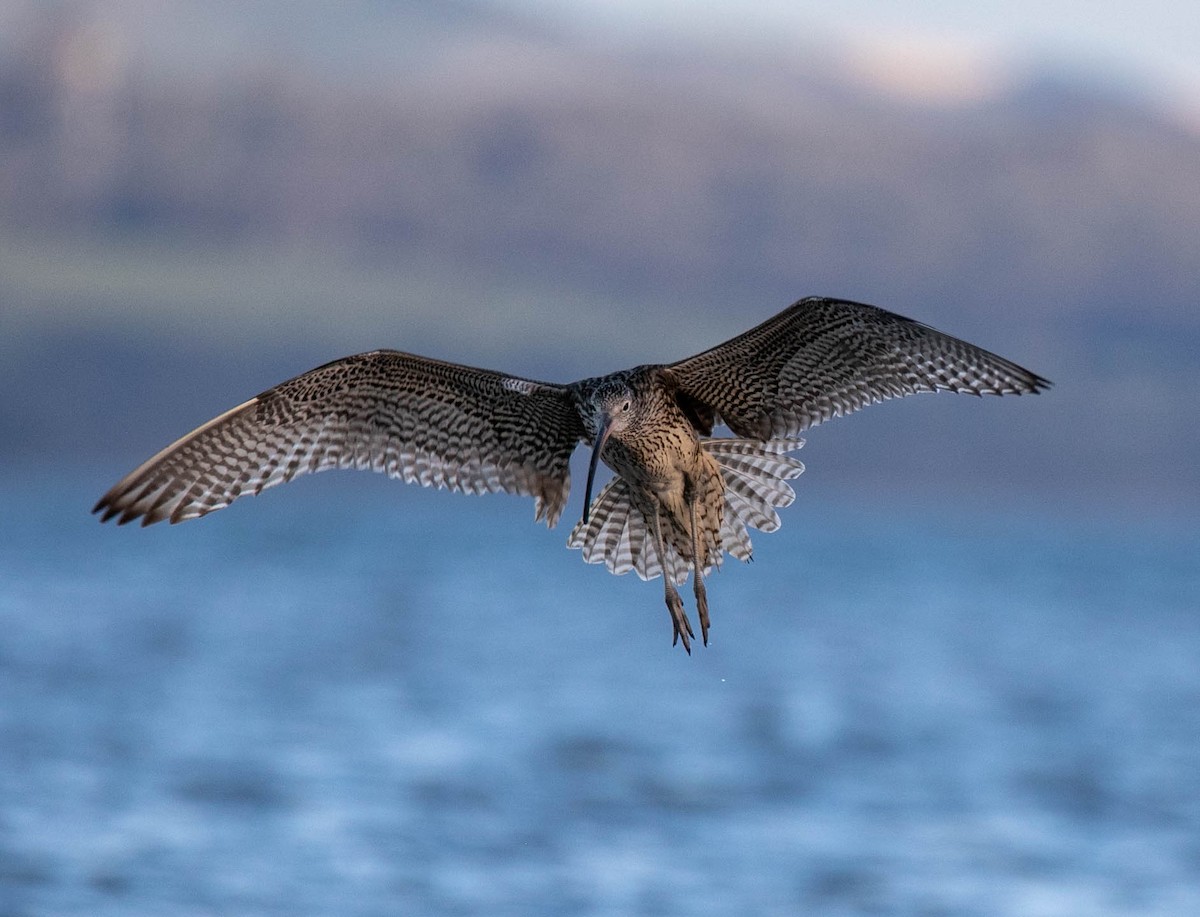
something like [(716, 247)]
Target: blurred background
[(962, 678)]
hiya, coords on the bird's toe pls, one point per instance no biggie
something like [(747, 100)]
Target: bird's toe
[(680, 624)]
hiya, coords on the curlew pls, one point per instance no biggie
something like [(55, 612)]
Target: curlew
[(680, 498)]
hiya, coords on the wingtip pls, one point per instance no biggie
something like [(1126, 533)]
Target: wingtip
[(105, 509), (109, 508)]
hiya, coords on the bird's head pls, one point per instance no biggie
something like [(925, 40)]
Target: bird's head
[(613, 409)]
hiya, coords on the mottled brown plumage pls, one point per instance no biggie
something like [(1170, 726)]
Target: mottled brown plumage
[(680, 499)]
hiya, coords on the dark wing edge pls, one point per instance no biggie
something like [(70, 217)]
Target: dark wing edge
[(416, 419), (823, 358)]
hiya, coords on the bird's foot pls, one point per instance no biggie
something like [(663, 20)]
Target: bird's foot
[(679, 621)]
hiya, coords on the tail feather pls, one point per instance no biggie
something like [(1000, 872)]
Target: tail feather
[(589, 538), (645, 558), (585, 534), (742, 498), (773, 490), (735, 540), (755, 475), (618, 554)]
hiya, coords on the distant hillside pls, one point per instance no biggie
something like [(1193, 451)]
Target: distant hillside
[(632, 168), (503, 191)]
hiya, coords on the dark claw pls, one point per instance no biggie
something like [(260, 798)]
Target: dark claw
[(686, 645), (684, 635), (679, 622)]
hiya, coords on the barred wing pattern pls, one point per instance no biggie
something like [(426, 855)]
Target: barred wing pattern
[(823, 358), (421, 420)]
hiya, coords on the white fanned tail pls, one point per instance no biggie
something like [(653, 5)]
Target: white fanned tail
[(755, 475)]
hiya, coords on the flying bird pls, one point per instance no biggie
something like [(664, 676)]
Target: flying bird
[(680, 499)]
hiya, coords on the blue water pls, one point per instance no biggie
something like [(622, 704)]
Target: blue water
[(360, 698)]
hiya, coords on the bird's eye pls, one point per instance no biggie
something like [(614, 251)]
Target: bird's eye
[(625, 406)]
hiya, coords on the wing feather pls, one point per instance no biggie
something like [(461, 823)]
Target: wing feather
[(420, 420), (823, 358)]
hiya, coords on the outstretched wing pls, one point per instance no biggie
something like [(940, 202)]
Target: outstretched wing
[(424, 421), (822, 358)]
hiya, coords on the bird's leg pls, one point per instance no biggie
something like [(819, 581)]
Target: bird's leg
[(698, 575), (679, 620)]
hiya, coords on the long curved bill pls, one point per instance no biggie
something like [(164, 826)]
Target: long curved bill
[(601, 439)]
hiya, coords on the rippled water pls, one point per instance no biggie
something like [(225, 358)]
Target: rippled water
[(425, 705)]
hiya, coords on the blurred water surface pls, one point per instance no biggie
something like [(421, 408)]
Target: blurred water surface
[(360, 698)]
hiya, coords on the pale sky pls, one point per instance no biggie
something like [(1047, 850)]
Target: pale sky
[(1151, 45), (933, 51), (1154, 42)]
